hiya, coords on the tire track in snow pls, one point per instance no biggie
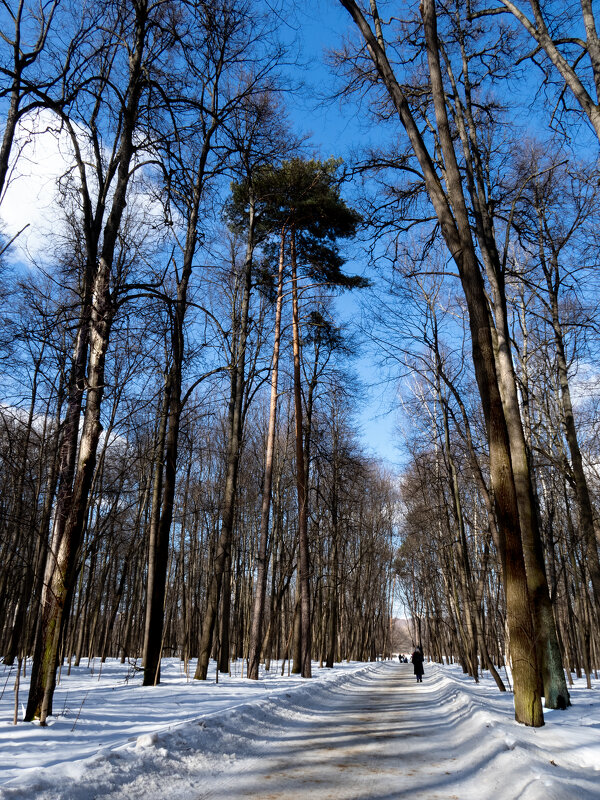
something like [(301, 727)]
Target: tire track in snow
[(374, 733), (381, 735), (374, 737)]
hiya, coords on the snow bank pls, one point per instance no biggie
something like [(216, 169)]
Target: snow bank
[(107, 726), (550, 763), (112, 737)]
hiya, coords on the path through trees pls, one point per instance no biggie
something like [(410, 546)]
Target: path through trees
[(380, 735), (181, 473), (361, 731)]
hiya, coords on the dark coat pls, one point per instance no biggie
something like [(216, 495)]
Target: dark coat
[(417, 660)]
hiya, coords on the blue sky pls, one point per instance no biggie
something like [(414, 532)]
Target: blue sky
[(337, 128), (334, 130)]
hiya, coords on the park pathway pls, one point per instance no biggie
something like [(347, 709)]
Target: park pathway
[(384, 736), (369, 732)]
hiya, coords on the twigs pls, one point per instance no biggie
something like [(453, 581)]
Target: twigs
[(79, 712)]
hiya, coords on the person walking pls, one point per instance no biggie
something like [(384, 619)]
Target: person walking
[(417, 660)]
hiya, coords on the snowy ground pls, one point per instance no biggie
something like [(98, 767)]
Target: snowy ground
[(355, 732)]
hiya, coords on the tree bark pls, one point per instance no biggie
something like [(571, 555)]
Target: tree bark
[(262, 565), (553, 684), (72, 503), (303, 549), (234, 446), (586, 514), (454, 222), (158, 552)]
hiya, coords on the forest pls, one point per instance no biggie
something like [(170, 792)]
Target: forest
[(181, 467)]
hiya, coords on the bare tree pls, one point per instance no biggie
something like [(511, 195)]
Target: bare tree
[(99, 303), (451, 210), (576, 59)]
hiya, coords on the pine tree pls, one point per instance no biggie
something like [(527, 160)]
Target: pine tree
[(301, 201)]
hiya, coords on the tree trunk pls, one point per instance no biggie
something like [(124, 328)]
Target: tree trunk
[(234, 446), (553, 685), (97, 319), (586, 514), (158, 552), (332, 587), (262, 565), (303, 549), (455, 226)]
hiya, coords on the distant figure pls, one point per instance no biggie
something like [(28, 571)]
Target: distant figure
[(400, 657), (417, 660)]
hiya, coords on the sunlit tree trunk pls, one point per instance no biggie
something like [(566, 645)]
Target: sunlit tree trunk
[(455, 226), (71, 510), (303, 550), (234, 444), (553, 685), (261, 576)]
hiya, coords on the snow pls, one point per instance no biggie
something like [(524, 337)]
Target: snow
[(359, 730)]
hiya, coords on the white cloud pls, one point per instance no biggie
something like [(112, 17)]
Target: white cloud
[(584, 385), (40, 155)]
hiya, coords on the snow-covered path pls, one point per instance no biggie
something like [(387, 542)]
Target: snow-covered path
[(372, 738), (385, 736), (366, 731)]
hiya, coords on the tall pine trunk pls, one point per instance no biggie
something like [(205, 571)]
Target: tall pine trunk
[(258, 609), (303, 549)]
